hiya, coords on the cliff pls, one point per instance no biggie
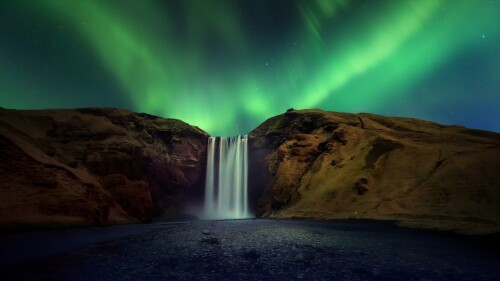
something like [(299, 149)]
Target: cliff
[(102, 166), (317, 164), (96, 166)]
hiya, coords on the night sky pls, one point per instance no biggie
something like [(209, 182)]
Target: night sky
[(228, 65)]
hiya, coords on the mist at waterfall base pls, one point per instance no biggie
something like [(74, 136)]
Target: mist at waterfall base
[(226, 185)]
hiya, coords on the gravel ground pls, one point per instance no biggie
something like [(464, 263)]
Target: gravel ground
[(259, 250)]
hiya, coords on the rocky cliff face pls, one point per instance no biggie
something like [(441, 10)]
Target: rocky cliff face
[(96, 166), (114, 166), (318, 164)]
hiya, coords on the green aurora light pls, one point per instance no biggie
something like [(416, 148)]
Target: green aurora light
[(226, 66)]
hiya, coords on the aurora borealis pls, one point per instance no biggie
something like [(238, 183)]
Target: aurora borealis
[(227, 65)]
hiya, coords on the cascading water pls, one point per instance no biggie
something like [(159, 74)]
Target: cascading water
[(226, 188)]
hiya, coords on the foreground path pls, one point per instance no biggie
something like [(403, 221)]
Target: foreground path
[(250, 250)]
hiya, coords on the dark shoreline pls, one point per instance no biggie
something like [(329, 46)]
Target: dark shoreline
[(23, 229), (19, 249), (254, 249)]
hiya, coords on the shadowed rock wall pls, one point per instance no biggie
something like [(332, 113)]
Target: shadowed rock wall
[(96, 166)]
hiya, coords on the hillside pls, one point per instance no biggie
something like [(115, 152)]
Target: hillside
[(103, 166), (318, 164), (96, 166)]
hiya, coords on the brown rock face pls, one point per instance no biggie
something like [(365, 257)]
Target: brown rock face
[(318, 164), (96, 166)]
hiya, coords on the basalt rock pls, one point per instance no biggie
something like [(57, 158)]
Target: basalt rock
[(96, 166), (317, 164)]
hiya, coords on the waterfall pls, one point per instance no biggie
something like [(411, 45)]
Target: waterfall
[(226, 187)]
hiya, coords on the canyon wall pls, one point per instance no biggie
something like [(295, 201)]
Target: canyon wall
[(96, 166), (102, 166), (317, 164)]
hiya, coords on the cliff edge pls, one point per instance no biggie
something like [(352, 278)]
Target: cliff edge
[(96, 166), (327, 165)]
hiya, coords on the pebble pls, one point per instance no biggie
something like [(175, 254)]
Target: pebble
[(300, 257), (248, 250)]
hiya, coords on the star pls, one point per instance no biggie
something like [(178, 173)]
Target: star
[(336, 65)]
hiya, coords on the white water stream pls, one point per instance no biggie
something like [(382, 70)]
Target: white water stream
[(226, 188)]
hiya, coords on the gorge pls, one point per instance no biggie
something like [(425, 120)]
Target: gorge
[(108, 166), (249, 140)]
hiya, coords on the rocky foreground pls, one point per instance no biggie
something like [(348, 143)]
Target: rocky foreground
[(103, 166), (257, 250)]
